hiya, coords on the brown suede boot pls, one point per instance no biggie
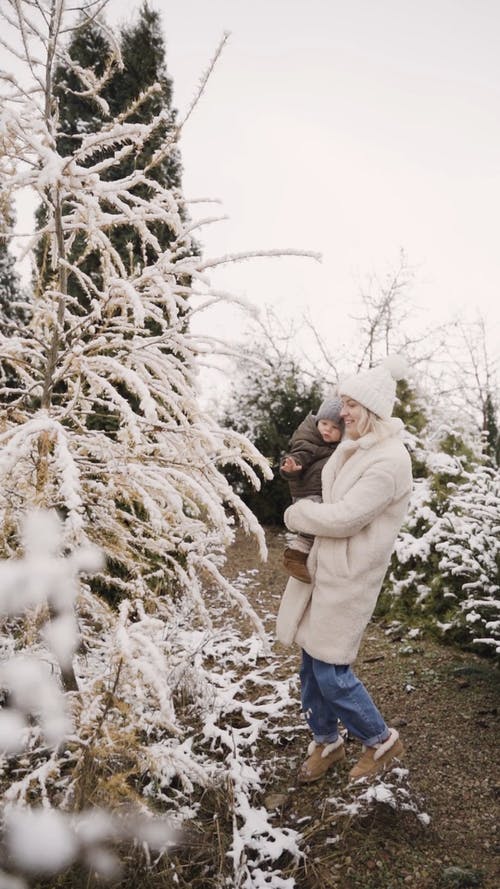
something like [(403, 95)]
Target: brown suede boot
[(321, 758), (294, 563), (376, 759)]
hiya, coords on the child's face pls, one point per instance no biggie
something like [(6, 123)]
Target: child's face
[(329, 431)]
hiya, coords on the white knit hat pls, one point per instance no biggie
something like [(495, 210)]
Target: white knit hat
[(375, 389)]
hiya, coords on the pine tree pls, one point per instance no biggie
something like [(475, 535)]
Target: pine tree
[(10, 314), (135, 86), (444, 571), (14, 310), (144, 65), (269, 402), (490, 428), (411, 411)]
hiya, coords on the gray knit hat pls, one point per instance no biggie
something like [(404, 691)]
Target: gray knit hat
[(330, 409)]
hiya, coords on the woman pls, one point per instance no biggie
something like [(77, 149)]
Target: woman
[(366, 489)]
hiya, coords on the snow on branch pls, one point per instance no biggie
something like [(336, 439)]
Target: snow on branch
[(255, 254), (204, 79)]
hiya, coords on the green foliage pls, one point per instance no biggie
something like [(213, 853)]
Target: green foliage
[(139, 92), (10, 313), (449, 473), (14, 309), (492, 436), (268, 405), (410, 410), (127, 91)]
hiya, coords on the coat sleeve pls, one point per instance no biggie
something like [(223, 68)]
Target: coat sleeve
[(305, 454), (367, 498)]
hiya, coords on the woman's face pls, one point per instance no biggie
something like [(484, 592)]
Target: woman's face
[(351, 413)]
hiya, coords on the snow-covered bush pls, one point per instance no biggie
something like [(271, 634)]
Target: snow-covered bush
[(160, 710), (445, 569), (40, 726)]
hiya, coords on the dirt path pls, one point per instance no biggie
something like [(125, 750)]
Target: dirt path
[(445, 703)]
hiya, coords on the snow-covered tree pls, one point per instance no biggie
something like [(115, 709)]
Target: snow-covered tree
[(135, 87), (475, 376), (14, 310), (9, 288), (491, 430), (445, 569), (270, 397), (152, 680), (107, 760), (151, 490)]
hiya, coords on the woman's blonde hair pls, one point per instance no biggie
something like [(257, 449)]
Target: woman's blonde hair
[(370, 423)]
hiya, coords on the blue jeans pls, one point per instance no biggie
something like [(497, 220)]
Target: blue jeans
[(331, 693)]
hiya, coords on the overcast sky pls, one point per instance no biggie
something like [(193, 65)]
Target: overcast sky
[(354, 128), (351, 128)]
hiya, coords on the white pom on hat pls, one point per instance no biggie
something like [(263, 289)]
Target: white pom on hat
[(397, 366), (375, 389)]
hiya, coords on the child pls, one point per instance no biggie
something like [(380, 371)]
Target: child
[(311, 445)]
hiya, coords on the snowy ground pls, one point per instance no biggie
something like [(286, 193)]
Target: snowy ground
[(429, 824), (229, 774)]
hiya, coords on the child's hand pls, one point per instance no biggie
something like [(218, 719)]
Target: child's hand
[(289, 464)]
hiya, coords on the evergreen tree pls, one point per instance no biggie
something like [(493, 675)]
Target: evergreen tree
[(11, 314), (445, 568), (490, 428), (14, 310), (410, 410), (144, 65), (135, 88), (270, 401)]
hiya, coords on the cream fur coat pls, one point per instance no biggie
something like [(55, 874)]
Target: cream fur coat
[(366, 489)]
